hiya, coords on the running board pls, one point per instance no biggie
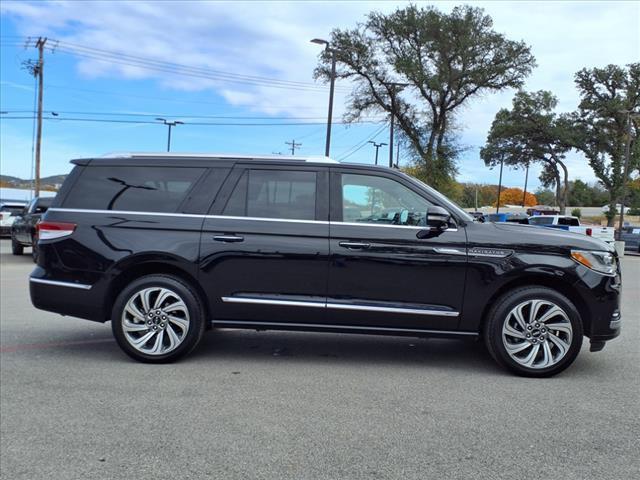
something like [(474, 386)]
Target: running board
[(362, 329)]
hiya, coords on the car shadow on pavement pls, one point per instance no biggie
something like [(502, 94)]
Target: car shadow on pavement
[(336, 349), (303, 348), (308, 349)]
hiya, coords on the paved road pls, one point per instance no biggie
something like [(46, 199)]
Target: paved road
[(271, 405)]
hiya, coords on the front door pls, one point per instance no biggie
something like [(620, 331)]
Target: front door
[(381, 273), (264, 249)]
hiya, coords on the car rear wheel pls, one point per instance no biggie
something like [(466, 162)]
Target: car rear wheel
[(534, 332), (16, 248), (34, 250), (158, 319)]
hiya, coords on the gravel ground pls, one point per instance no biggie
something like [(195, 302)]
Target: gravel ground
[(275, 405)]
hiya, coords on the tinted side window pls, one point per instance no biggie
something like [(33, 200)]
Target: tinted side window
[(572, 222), (146, 189), (13, 210), (42, 205), (370, 199), (274, 194)]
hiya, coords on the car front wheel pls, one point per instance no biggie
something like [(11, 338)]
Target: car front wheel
[(158, 319), (534, 331)]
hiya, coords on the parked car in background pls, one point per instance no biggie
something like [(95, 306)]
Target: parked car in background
[(631, 237), (478, 216), (166, 246), (572, 224), (605, 208), (507, 217), (8, 212), (23, 229)]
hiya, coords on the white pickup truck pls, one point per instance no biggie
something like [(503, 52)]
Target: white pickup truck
[(572, 224), (8, 213)]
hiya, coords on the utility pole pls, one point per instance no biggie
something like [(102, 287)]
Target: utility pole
[(169, 124), (499, 185), (377, 145), (293, 146), (37, 70), (524, 195), (397, 154), (332, 83), (392, 89)]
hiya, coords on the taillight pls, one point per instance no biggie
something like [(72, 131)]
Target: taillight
[(589, 232), (51, 230)]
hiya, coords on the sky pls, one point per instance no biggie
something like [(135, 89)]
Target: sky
[(268, 44)]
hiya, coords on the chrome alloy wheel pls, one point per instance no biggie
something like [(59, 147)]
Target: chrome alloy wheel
[(537, 333), (155, 320)]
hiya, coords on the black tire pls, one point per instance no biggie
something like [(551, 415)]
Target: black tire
[(34, 250), (16, 248), (180, 289), (500, 314)]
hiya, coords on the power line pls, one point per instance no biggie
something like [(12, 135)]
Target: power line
[(107, 53), (178, 69), (149, 122), (360, 145), (182, 115)]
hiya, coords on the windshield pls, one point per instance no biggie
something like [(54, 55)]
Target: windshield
[(444, 201)]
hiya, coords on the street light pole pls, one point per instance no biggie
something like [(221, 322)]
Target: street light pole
[(169, 124), (377, 145), (319, 41)]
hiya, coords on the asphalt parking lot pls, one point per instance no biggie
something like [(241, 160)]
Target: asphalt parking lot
[(271, 405)]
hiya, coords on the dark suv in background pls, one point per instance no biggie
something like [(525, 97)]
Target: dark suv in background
[(23, 228), (166, 246)]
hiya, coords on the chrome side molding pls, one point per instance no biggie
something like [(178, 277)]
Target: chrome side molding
[(340, 306), (57, 283)]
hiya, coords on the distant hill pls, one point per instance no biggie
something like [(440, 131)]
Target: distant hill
[(48, 183)]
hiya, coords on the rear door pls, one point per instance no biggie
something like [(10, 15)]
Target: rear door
[(381, 274), (264, 248)]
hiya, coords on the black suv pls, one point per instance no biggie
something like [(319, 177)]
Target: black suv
[(167, 246)]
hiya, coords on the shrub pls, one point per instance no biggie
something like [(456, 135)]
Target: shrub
[(634, 211), (576, 212)]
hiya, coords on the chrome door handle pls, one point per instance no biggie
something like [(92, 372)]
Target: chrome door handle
[(449, 251), (228, 238), (354, 245)]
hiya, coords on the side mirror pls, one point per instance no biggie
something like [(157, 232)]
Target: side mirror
[(437, 219)]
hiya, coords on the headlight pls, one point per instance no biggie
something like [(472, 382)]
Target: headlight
[(601, 262)]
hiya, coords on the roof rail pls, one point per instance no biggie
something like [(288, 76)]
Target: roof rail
[(223, 156)]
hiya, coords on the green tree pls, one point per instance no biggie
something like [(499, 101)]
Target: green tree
[(580, 194), (444, 59), (486, 194), (532, 132), (545, 196), (607, 96)]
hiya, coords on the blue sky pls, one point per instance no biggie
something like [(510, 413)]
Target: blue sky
[(265, 39)]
